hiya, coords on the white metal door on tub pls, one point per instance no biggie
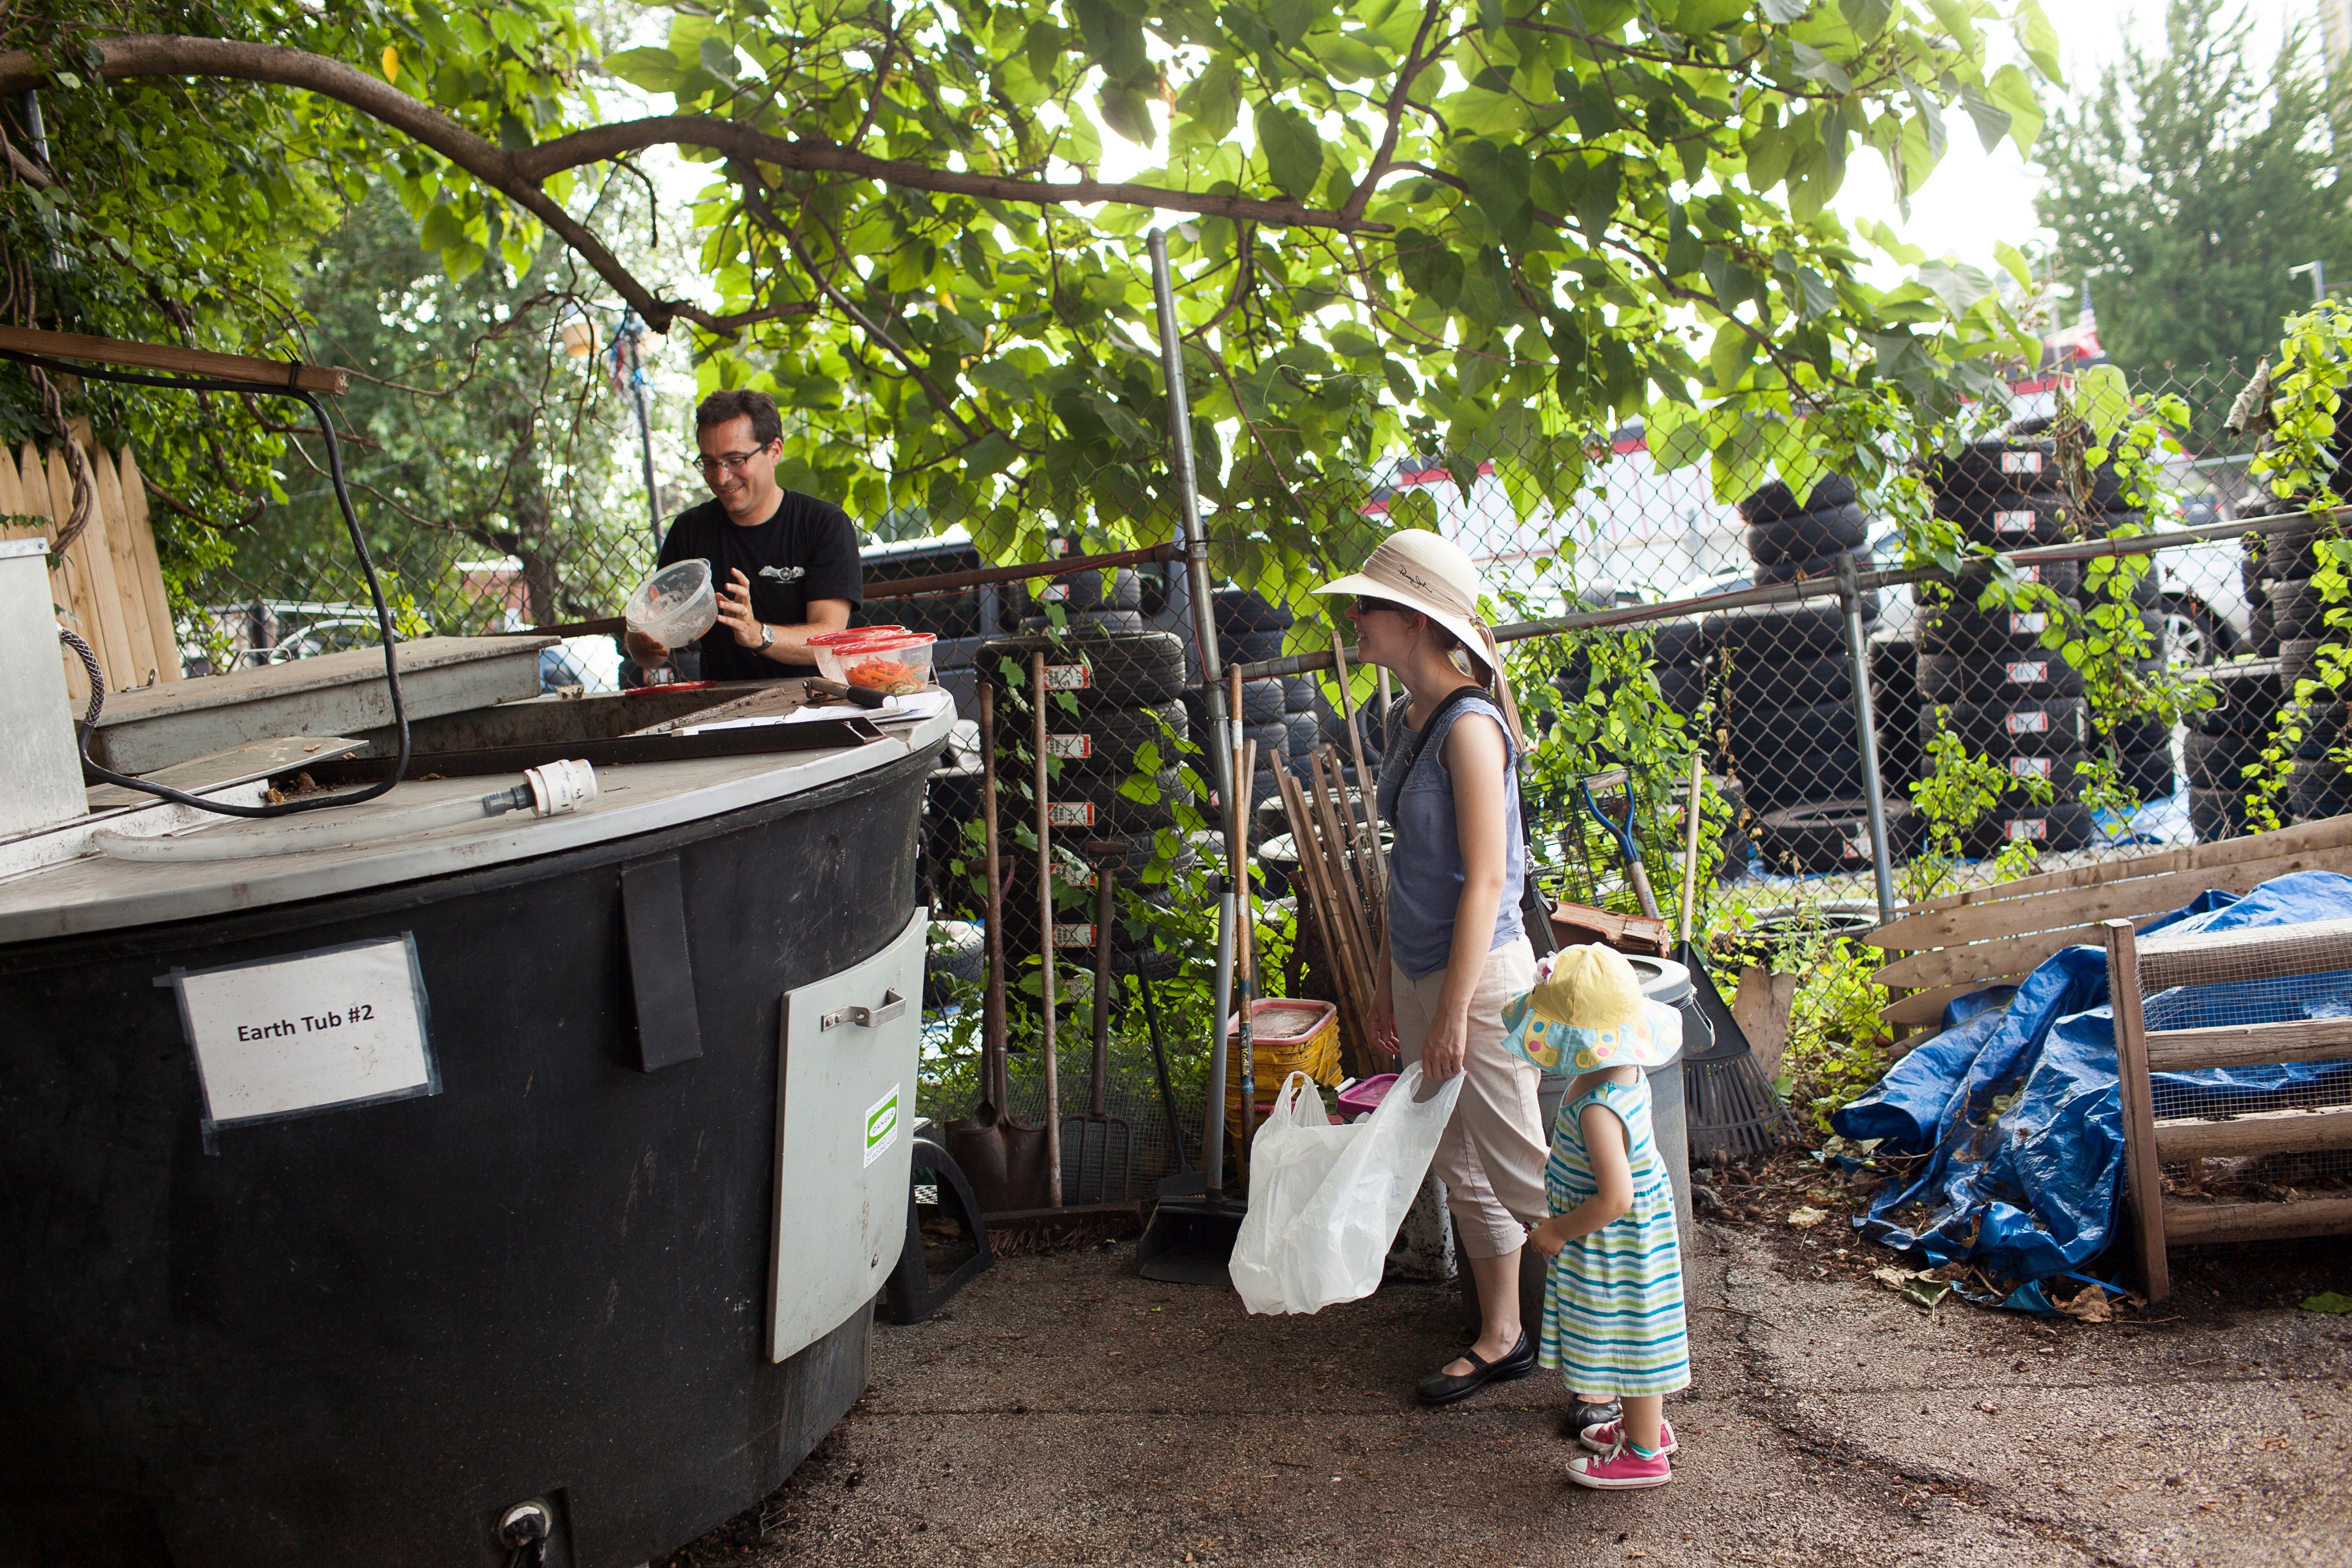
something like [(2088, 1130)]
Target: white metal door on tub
[(845, 1110)]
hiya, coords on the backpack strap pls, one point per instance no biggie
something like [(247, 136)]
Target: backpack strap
[(1446, 705)]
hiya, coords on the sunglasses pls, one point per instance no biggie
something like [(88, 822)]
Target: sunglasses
[(1365, 606)]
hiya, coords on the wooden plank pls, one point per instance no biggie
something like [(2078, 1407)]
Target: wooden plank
[(2137, 899), (332, 694), (2205, 1224), (2263, 952), (2250, 1045), (2143, 1184), (2331, 832), (151, 570), (174, 359), (2258, 1133), (123, 557), (68, 587), (1927, 1006), (12, 500), (97, 561), (15, 502), (1951, 965)]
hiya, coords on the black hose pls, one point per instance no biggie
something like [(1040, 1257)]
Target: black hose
[(359, 546)]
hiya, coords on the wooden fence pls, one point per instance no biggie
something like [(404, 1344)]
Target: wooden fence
[(108, 586)]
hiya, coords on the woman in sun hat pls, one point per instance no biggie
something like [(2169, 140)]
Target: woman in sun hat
[(1612, 1316), (1454, 951)]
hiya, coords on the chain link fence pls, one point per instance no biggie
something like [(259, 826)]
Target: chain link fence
[(2088, 708)]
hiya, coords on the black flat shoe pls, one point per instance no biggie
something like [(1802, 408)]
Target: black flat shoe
[(1437, 1388), (1583, 1416)]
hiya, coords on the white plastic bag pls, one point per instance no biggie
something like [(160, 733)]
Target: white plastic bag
[(1325, 1201)]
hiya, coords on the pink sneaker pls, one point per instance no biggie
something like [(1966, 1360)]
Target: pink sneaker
[(1606, 1436), (1619, 1470)]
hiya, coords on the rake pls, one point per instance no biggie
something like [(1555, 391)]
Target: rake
[(1729, 1105)]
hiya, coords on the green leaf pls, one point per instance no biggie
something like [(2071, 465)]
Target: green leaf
[(1786, 11), (1868, 19), (442, 229), (655, 70), (1683, 252), (2010, 91), (1815, 66), (1931, 118), (1294, 152), (2104, 399), (2040, 41), (1992, 123), (1498, 176), (1677, 434), (2013, 260), (1351, 57), (1959, 286), (1729, 357), (1128, 112), (2335, 1301), (1888, 240), (1291, 18), (718, 56), (1213, 103)]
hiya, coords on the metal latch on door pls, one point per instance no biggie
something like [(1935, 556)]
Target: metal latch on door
[(893, 1006)]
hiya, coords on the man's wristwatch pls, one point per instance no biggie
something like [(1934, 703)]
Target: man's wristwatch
[(767, 636)]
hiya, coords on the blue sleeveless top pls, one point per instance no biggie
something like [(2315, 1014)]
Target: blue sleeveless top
[(1426, 870)]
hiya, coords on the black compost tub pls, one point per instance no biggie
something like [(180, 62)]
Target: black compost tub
[(357, 1338)]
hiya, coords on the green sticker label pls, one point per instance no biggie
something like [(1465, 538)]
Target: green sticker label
[(881, 1125)]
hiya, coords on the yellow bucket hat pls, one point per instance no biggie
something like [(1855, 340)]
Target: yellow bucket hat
[(1586, 1012)]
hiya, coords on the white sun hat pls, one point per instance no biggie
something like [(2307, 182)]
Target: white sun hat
[(1426, 572)]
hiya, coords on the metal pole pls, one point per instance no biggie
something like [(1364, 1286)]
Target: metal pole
[(1213, 1140), (1224, 727), (1857, 654), (1188, 501), (1046, 930), (2318, 271), (630, 333)]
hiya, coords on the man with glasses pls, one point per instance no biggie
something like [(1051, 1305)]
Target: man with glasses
[(785, 565)]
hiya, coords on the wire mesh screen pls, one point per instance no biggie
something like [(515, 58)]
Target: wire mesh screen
[(2297, 1113)]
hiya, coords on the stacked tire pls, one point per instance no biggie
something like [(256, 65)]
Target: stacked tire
[(1997, 678), (1280, 714), (1090, 602), (2144, 747), (1124, 708), (1789, 728), (2227, 739), (1677, 653)]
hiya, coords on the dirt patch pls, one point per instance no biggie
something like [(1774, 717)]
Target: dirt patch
[(1065, 1411)]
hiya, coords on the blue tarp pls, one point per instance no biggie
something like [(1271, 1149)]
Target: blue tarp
[(2027, 1190)]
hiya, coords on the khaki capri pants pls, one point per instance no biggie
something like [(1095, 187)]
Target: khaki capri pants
[(1491, 1156)]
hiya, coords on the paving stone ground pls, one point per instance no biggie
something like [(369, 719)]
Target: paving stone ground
[(1064, 1411)]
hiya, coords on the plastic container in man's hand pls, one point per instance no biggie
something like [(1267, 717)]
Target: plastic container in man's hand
[(675, 605)]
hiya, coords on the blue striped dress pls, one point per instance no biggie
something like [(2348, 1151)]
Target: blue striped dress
[(1612, 1316)]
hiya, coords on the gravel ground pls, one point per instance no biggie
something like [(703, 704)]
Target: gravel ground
[(1062, 1411)]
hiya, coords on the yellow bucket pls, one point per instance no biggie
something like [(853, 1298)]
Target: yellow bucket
[(1285, 1037)]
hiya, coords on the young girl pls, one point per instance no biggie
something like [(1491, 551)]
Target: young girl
[(1612, 1317)]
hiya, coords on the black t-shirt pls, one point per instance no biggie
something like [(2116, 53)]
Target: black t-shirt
[(805, 536)]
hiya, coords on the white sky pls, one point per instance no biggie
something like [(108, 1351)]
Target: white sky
[(1975, 198)]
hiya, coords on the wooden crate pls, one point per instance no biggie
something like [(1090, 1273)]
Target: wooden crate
[(1950, 946), (2137, 966), (109, 585)]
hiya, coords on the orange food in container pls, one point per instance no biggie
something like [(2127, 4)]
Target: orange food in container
[(879, 659)]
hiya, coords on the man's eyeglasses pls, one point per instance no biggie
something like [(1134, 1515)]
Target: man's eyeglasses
[(728, 462)]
